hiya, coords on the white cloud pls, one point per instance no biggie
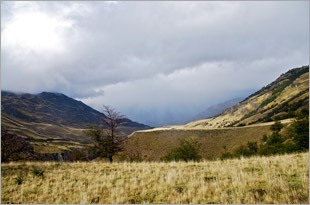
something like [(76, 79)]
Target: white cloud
[(166, 59), (35, 31), (188, 90)]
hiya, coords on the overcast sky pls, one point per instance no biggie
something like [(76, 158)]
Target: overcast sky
[(156, 62)]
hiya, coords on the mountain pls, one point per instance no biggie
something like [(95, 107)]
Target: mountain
[(216, 109), (53, 122), (246, 121), (278, 100), (54, 108)]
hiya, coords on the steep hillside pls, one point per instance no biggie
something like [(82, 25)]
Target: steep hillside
[(217, 109), (278, 100), (247, 121), (53, 122)]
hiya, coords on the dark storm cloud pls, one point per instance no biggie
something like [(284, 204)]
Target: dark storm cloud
[(158, 62)]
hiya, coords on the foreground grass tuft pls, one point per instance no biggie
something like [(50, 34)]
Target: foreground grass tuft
[(278, 179)]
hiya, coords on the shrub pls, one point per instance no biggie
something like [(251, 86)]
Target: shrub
[(227, 155), (264, 150), (299, 130), (275, 138), (242, 151), (252, 147), (19, 180), (265, 137), (296, 141), (36, 172), (277, 126), (186, 151)]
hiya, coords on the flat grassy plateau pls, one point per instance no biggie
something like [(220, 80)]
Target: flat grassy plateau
[(277, 179)]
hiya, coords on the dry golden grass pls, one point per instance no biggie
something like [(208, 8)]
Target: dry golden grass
[(154, 144), (277, 179), (52, 138), (44, 137)]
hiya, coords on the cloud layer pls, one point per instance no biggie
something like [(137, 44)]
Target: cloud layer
[(157, 62)]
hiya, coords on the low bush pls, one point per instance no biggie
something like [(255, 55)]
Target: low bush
[(297, 140), (37, 172), (188, 150), (19, 180)]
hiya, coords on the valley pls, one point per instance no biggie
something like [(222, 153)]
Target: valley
[(56, 124), (154, 102), (247, 121)]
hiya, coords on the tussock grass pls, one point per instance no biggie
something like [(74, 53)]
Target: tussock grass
[(277, 179), (154, 144)]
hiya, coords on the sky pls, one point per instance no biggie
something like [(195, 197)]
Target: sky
[(159, 63)]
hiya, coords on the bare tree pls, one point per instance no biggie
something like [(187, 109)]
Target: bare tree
[(107, 141)]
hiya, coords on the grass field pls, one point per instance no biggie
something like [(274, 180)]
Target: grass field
[(154, 144), (277, 179)]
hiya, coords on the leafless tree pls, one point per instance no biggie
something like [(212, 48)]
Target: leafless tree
[(108, 141)]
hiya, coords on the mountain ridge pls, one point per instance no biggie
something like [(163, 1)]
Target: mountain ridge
[(276, 101), (55, 108), (216, 109)]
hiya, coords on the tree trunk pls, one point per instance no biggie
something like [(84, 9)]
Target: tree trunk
[(110, 159)]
